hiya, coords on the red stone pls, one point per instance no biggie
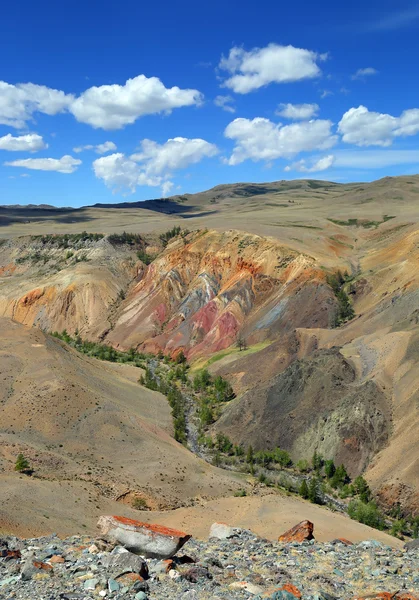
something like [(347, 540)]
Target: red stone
[(41, 565), (56, 559), (299, 533), (288, 587)]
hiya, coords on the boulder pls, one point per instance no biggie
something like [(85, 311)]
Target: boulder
[(32, 566), (221, 531), (299, 533), (412, 545), (120, 563), (151, 541)]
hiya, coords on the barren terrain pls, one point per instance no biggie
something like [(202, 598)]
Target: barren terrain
[(254, 266)]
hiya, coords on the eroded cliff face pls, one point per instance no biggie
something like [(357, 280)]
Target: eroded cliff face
[(207, 290), (201, 293)]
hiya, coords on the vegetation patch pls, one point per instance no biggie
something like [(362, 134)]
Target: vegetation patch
[(68, 240), (126, 239), (361, 223), (345, 311)]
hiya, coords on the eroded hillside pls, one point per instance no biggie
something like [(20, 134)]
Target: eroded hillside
[(304, 380)]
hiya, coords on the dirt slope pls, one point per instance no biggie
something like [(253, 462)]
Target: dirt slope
[(90, 432)]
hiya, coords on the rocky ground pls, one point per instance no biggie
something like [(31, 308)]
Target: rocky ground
[(233, 563)]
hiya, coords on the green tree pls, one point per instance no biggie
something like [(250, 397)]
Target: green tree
[(303, 491), (250, 456), (317, 462), (340, 478), (313, 491), (367, 513), (22, 464), (329, 468), (361, 488)]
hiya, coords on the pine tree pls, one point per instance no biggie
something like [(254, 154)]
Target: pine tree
[(303, 491), (329, 468), (22, 464), (313, 491)]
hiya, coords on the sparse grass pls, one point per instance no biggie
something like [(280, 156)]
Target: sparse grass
[(360, 223), (205, 363), (139, 504)]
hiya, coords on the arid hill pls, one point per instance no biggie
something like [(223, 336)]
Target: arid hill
[(255, 267)]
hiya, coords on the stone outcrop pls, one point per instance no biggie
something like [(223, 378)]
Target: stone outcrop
[(152, 541), (299, 533)]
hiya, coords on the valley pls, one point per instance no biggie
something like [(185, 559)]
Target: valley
[(250, 283)]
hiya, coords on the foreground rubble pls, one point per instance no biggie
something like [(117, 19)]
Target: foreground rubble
[(233, 563)]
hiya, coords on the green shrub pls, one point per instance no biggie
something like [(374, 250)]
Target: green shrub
[(366, 513), (303, 466), (168, 235), (240, 493), (22, 464), (144, 257), (139, 504)]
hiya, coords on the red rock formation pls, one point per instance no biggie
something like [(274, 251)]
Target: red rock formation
[(299, 533)]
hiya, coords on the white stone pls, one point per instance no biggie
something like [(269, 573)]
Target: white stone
[(151, 541), (221, 531)]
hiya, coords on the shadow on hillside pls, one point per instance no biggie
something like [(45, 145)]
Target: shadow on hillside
[(168, 207), (10, 216)]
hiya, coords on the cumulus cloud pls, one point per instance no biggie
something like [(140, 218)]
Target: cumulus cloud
[(31, 142), (114, 106), (364, 128), (99, 148), (225, 102), (272, 64), (120, 172), (66, 164), (19, 102), (261, 139), (176, 153), (106, 106), (362, 73), (297, 112), (315, 167), (153, 165)]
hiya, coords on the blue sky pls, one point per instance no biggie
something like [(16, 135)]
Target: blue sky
[(178, 97)]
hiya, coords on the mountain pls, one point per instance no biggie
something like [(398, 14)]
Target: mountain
[(316, 280)]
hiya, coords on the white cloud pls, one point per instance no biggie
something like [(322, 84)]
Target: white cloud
[(119, 172), (364, 128), (99, 148), (362, 73), (322, 164), (297, 111), (153, 165), (166, 188), (176, 153), (106, 106), (31, 142), (261, 139), (225, 102), (326, 93), (19, 102), (66, 164), (114, 106), (272, 64)]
